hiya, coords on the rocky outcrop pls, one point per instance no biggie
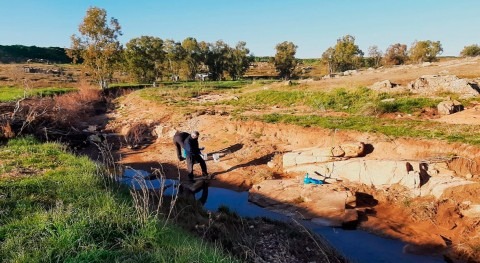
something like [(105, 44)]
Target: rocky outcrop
[(293, 198), (449, 106), (437, 185), (429, 84), (325, 154), (331, 165), (385, 85)]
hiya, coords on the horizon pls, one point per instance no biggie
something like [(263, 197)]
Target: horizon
[(312, 25)]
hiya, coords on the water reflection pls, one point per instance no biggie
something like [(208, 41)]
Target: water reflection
[(357, 245)]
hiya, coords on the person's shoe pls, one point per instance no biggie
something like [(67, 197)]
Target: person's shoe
[(181, 159)]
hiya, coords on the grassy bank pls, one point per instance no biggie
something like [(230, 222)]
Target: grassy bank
[(396, 128), (55, 208), (15, 93), (358, 100)]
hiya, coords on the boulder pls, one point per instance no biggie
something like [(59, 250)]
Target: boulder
[(429, 84), (162, 131), (293, 198), (449, 106), (382, 85)]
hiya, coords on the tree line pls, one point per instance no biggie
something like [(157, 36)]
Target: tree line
[(20, 53), (148, 58)]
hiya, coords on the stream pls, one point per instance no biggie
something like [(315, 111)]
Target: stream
[(356, 245)]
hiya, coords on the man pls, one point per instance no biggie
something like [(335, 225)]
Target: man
[(192, 151), (178, 140)]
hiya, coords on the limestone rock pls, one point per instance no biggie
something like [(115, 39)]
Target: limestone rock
[(322, 154), (429, 84), (436, 185), (473, 211), (292, 197), (449, 107)]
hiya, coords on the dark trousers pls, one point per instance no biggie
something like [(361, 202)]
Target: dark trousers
[(179, 150), (177, 140), (191, 160)]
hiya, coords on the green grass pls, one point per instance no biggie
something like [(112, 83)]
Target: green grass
[(180, 93), (55, 208), (394, 128), (352, 101), (15, 93)]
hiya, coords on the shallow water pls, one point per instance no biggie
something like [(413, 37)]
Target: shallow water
[(357, 245)]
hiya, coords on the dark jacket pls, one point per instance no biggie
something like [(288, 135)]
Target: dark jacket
[(180, 137), (191, 146)]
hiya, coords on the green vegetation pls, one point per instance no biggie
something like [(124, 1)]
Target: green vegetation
[(470, 51), (14, 93), (357, 101), (345, 55), (395, 128), (19, 53), (55, 208), (284, 59), (179, 93), (422, 51)]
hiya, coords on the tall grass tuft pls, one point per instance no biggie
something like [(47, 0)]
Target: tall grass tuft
[(55, 208)]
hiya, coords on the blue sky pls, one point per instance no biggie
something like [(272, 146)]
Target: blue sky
[(312, 25)]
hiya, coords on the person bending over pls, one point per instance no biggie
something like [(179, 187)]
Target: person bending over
[(178, 139), (193, 154)]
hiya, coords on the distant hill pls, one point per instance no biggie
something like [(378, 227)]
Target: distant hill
[(19, 54)]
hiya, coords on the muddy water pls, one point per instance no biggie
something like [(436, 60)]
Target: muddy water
[(357, 245)]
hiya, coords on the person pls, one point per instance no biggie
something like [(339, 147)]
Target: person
[(193, 154), (178, 139)]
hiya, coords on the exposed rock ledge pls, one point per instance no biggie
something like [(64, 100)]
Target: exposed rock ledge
[(326, 204)]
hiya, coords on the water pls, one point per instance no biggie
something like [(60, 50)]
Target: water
[(357, 245)]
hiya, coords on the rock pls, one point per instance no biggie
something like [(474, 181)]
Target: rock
[(92, 128), (473, 211), (449, 107), (271, 164), (322, 154), (388, 100), (469, 176), (430, 84), (436, 185), (353, 150), (382, 85), (94, 138), (162, 131), (292, 197)]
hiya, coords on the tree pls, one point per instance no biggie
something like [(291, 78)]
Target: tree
[(396, 54), (425, 51), (284, 59), (238, 60), (144, 57), (344, 55), (328, 57), (470, 51), (175, 55), (97, 46), (376, 55), (193, 56), (217, 59), (347, 55)]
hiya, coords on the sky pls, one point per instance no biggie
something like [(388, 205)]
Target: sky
[(312, 25)]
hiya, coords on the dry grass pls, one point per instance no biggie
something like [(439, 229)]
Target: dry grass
[(138, 133)]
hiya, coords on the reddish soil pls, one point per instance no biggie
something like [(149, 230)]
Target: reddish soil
[(427, 225)]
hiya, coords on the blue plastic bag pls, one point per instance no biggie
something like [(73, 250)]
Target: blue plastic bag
[(308, 180)]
